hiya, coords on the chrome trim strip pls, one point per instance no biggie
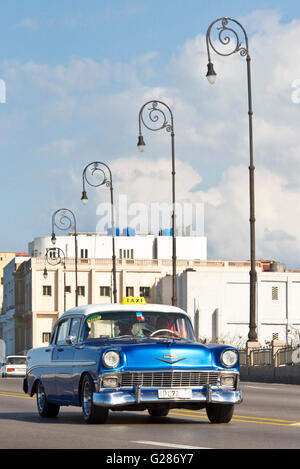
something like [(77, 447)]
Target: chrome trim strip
[(62, 365)]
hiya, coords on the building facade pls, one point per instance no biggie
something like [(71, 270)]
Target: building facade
[(34, 303), (214, 293), (10, 330), (5, 258), (127, 246), (40, 301), (217, 299)]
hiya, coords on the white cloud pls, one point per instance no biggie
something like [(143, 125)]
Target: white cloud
[(63, 147), (27, 23)]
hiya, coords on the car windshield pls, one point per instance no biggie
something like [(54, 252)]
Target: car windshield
[(138, 324), (16, 361)]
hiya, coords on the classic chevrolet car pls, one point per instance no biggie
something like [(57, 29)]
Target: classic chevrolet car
[(131, 356)]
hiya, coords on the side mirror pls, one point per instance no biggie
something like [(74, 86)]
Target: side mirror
[(71, 340)]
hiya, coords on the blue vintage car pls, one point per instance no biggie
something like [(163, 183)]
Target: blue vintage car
[(132, 356)]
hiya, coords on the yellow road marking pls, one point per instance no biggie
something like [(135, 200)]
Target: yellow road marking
[(6, 394), (195, 413), (243, 417), (240, 418)]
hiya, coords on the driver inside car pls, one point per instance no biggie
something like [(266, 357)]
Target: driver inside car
[(163, 322)]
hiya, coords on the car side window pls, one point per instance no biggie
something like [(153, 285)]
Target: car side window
[(53, 335), (62, 332), (74, 329)]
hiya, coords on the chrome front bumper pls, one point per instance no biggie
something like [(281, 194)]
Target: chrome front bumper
[(206, 395)]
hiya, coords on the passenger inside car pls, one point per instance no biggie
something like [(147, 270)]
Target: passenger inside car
[(125, 328)]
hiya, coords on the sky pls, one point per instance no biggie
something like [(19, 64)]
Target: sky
[(77, 73)]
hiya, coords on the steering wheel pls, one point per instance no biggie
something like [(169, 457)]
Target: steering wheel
[(164, 330)]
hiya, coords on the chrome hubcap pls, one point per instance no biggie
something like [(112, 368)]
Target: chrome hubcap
[(41, 397), (87, 399)]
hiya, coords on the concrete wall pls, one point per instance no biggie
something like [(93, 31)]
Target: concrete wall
[(271, 374)]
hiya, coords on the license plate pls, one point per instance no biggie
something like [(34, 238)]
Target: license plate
[(174, 393)]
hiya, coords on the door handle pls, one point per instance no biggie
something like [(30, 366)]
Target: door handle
[(48, 350), (60, 349)]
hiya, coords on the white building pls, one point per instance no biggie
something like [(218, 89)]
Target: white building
[(217, 299), (99, 246), (31, 311), (214, 293), (7, 318), (40, 301)]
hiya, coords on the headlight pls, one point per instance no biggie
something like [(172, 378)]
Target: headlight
[(111, 359), (229, 358)]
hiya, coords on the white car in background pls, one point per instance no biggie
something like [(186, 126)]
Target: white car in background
[(15, 365)]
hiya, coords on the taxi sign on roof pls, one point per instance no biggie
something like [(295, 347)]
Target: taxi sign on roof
[(134, 300)]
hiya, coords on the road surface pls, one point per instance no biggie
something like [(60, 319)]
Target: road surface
[(269, 417)]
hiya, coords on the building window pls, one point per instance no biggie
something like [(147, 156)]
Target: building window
[(145, 291), (274, 293), (104, 291), (47, 290), (68, 288), (81, 291), (83, 253), (129, 291), (53, 253), (126, 254), (46, 337)]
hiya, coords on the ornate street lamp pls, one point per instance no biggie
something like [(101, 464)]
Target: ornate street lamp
[(157, 120), (64, 219), (56, 256), (98, 174), (227, 31)]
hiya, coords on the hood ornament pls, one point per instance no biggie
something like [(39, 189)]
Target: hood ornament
[(171, 359)]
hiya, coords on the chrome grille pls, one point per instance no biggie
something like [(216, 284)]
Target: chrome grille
[(169, 379)]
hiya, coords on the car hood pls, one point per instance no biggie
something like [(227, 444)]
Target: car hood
[(165, 354)]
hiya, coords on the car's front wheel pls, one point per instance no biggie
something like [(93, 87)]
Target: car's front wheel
[(45, 408), (91, 413), (219, 413)]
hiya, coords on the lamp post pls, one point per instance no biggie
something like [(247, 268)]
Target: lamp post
[(55, 256), (157, 120), (98, 174), (64, 219), (227, 31)]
